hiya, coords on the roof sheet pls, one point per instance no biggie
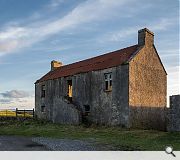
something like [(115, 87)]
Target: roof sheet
[(104, 61)]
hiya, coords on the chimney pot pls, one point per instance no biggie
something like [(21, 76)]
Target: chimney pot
[(145, 37), (55, 65)]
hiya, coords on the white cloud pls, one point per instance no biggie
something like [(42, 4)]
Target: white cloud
[(169, 53), (11, 38), (122, 34), (8, 46), (173, 80), (15, 94), (16, 99), (23, 103), (14, 38), (12, 32), (5, 101), (119, 35), (163, 24), (55, 3)]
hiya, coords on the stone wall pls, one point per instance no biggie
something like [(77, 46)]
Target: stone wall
[(147, 90), (106, 107), (145, 117), (173, 114), (65, 113), (110, 108)]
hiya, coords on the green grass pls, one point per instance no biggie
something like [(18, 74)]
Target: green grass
[(118, 138), (8, 113)]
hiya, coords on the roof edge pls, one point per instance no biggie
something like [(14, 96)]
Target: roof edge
[(141, 47), (160, 59), (134, 54)]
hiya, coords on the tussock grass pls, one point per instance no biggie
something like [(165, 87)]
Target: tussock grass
[(117, 138)]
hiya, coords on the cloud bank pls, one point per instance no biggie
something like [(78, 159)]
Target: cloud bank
[(16, 99), (13, 38), (15, 94)]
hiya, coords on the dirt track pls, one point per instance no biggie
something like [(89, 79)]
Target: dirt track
[(19, 143), (15, 143)]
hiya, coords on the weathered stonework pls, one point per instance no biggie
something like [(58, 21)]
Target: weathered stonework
[(173, 114), (137, 98), (88, 89), (147, 89)]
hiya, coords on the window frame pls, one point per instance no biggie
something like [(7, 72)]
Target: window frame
[(108, 81)]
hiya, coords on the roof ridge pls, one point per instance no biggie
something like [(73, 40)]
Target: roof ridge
[(107, 60), (95, 57)]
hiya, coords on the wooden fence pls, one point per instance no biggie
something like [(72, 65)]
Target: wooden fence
[(26, 113)]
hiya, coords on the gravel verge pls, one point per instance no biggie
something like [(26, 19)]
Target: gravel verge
[(67, 144)]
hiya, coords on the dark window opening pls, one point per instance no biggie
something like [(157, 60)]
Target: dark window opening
[(108, 81), (87, 108), (43, 91), (110, 84), (43, 108)]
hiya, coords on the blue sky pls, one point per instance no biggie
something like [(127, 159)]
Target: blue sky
[(34, 32)]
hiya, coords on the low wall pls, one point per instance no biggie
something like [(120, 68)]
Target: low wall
[(173, 114), (65, 113)]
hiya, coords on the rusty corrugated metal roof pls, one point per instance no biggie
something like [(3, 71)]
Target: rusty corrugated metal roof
[(104, 61)]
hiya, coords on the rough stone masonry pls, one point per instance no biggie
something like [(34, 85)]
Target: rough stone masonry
[(173, 114), (124, 88)]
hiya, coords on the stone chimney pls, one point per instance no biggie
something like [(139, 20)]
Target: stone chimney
[(145, 37), (55, 65)]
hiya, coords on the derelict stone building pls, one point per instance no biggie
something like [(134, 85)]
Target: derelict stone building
[(126, 87)]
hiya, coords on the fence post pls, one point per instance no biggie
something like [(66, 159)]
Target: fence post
[(33, 112), (16, 112), (24, 113)]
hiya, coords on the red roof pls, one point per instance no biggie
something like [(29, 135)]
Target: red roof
[(104, 61)]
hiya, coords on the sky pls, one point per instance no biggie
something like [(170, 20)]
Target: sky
[(35, 32)]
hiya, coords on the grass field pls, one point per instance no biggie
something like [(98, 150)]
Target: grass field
[(119, 139), (9, 113)]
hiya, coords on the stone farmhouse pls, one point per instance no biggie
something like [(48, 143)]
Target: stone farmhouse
[(124, 88)]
